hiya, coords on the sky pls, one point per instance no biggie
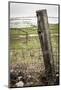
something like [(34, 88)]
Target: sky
[(26, 10)]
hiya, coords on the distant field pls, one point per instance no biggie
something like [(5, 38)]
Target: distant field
[(31, 42), (33, 30)]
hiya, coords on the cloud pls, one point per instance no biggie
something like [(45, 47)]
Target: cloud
[(25, 10)]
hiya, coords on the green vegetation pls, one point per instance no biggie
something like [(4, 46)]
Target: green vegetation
[(23, 31), (26, 57), (24, 41), (16, 41)]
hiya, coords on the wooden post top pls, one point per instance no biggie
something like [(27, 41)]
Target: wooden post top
[(41, 12)]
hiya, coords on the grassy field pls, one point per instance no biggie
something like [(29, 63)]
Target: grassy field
[(26, 56), (19, 42), (27, 48)]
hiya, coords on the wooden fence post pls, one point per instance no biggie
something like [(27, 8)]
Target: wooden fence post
[(43, 31)]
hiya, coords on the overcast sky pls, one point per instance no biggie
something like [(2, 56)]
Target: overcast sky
[(23, 10)]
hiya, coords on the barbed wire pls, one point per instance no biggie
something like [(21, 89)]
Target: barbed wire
[(29, 18)]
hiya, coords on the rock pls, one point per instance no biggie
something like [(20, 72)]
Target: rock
[(19, 78), (11, 71), (29, 84), (19, 84), (29, 76)]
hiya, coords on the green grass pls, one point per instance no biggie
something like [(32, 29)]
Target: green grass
[(30, 50), (33, 42), (23, 31), (53, 28)]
